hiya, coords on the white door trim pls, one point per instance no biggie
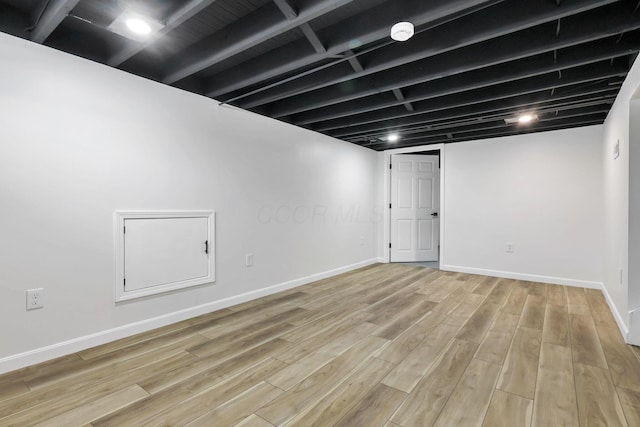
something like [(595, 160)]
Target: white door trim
[(415, 189), (387, 196)]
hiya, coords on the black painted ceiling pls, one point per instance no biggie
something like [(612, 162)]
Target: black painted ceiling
[(330, 65)]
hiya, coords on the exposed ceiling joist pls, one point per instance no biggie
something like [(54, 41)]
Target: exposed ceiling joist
[(360, 30), (353, 61), (466, 31), (498, 122), (261, 25), (400, 98), (176, 19), (398, 94), (502, 91), (567, 123), (287, 10), (598, 94), (486, 54), (520, 69), (525, 101), (407, 137), (330, 65), (477, 109), (313, 38), (543, 109), (52, 16)]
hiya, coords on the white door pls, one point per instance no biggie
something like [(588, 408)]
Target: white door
[(415, 197)]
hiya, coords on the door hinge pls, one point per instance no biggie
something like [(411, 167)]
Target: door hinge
[(390, 166), (124, 282), (389, 245), (124, 230), (389, 205)]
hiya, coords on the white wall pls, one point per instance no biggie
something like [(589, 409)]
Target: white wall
[(622, 241), (634, 202), (616, 208), (540, 192), (80, 140), (633, 282)]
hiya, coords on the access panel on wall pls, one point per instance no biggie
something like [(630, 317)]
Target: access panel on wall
[(163, 251)]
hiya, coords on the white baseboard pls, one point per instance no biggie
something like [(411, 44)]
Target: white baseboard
[(633, 335), (616, 315), (524, 276), (49, 352)]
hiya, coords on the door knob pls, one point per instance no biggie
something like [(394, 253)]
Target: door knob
[(435, 214)]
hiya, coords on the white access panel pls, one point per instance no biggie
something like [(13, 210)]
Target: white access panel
[(159, 252)]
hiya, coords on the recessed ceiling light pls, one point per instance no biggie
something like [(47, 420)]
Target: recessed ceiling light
[(394, 137), (522, 119), (138, 26), (135, 26), (402, 31), (525, 118)]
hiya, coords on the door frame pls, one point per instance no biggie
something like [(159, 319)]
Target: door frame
[(386, 217)]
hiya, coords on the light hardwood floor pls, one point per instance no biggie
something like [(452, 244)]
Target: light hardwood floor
[(387, 345)]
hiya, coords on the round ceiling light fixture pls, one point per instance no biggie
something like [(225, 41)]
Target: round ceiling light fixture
[(526, 118), (138, 26), (522, 119), (402, 31), (394, 137)]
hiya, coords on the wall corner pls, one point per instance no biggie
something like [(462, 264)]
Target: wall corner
[(633, 336)]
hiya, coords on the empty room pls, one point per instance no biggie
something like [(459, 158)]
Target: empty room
[(365, 213)]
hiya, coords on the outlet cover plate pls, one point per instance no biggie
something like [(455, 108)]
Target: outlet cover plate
[(34, 299)]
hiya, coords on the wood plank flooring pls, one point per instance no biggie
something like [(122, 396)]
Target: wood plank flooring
[(387, 345)]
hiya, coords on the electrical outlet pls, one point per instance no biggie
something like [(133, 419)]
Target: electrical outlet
[(509, 248), (34, 298), (248, 260)]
